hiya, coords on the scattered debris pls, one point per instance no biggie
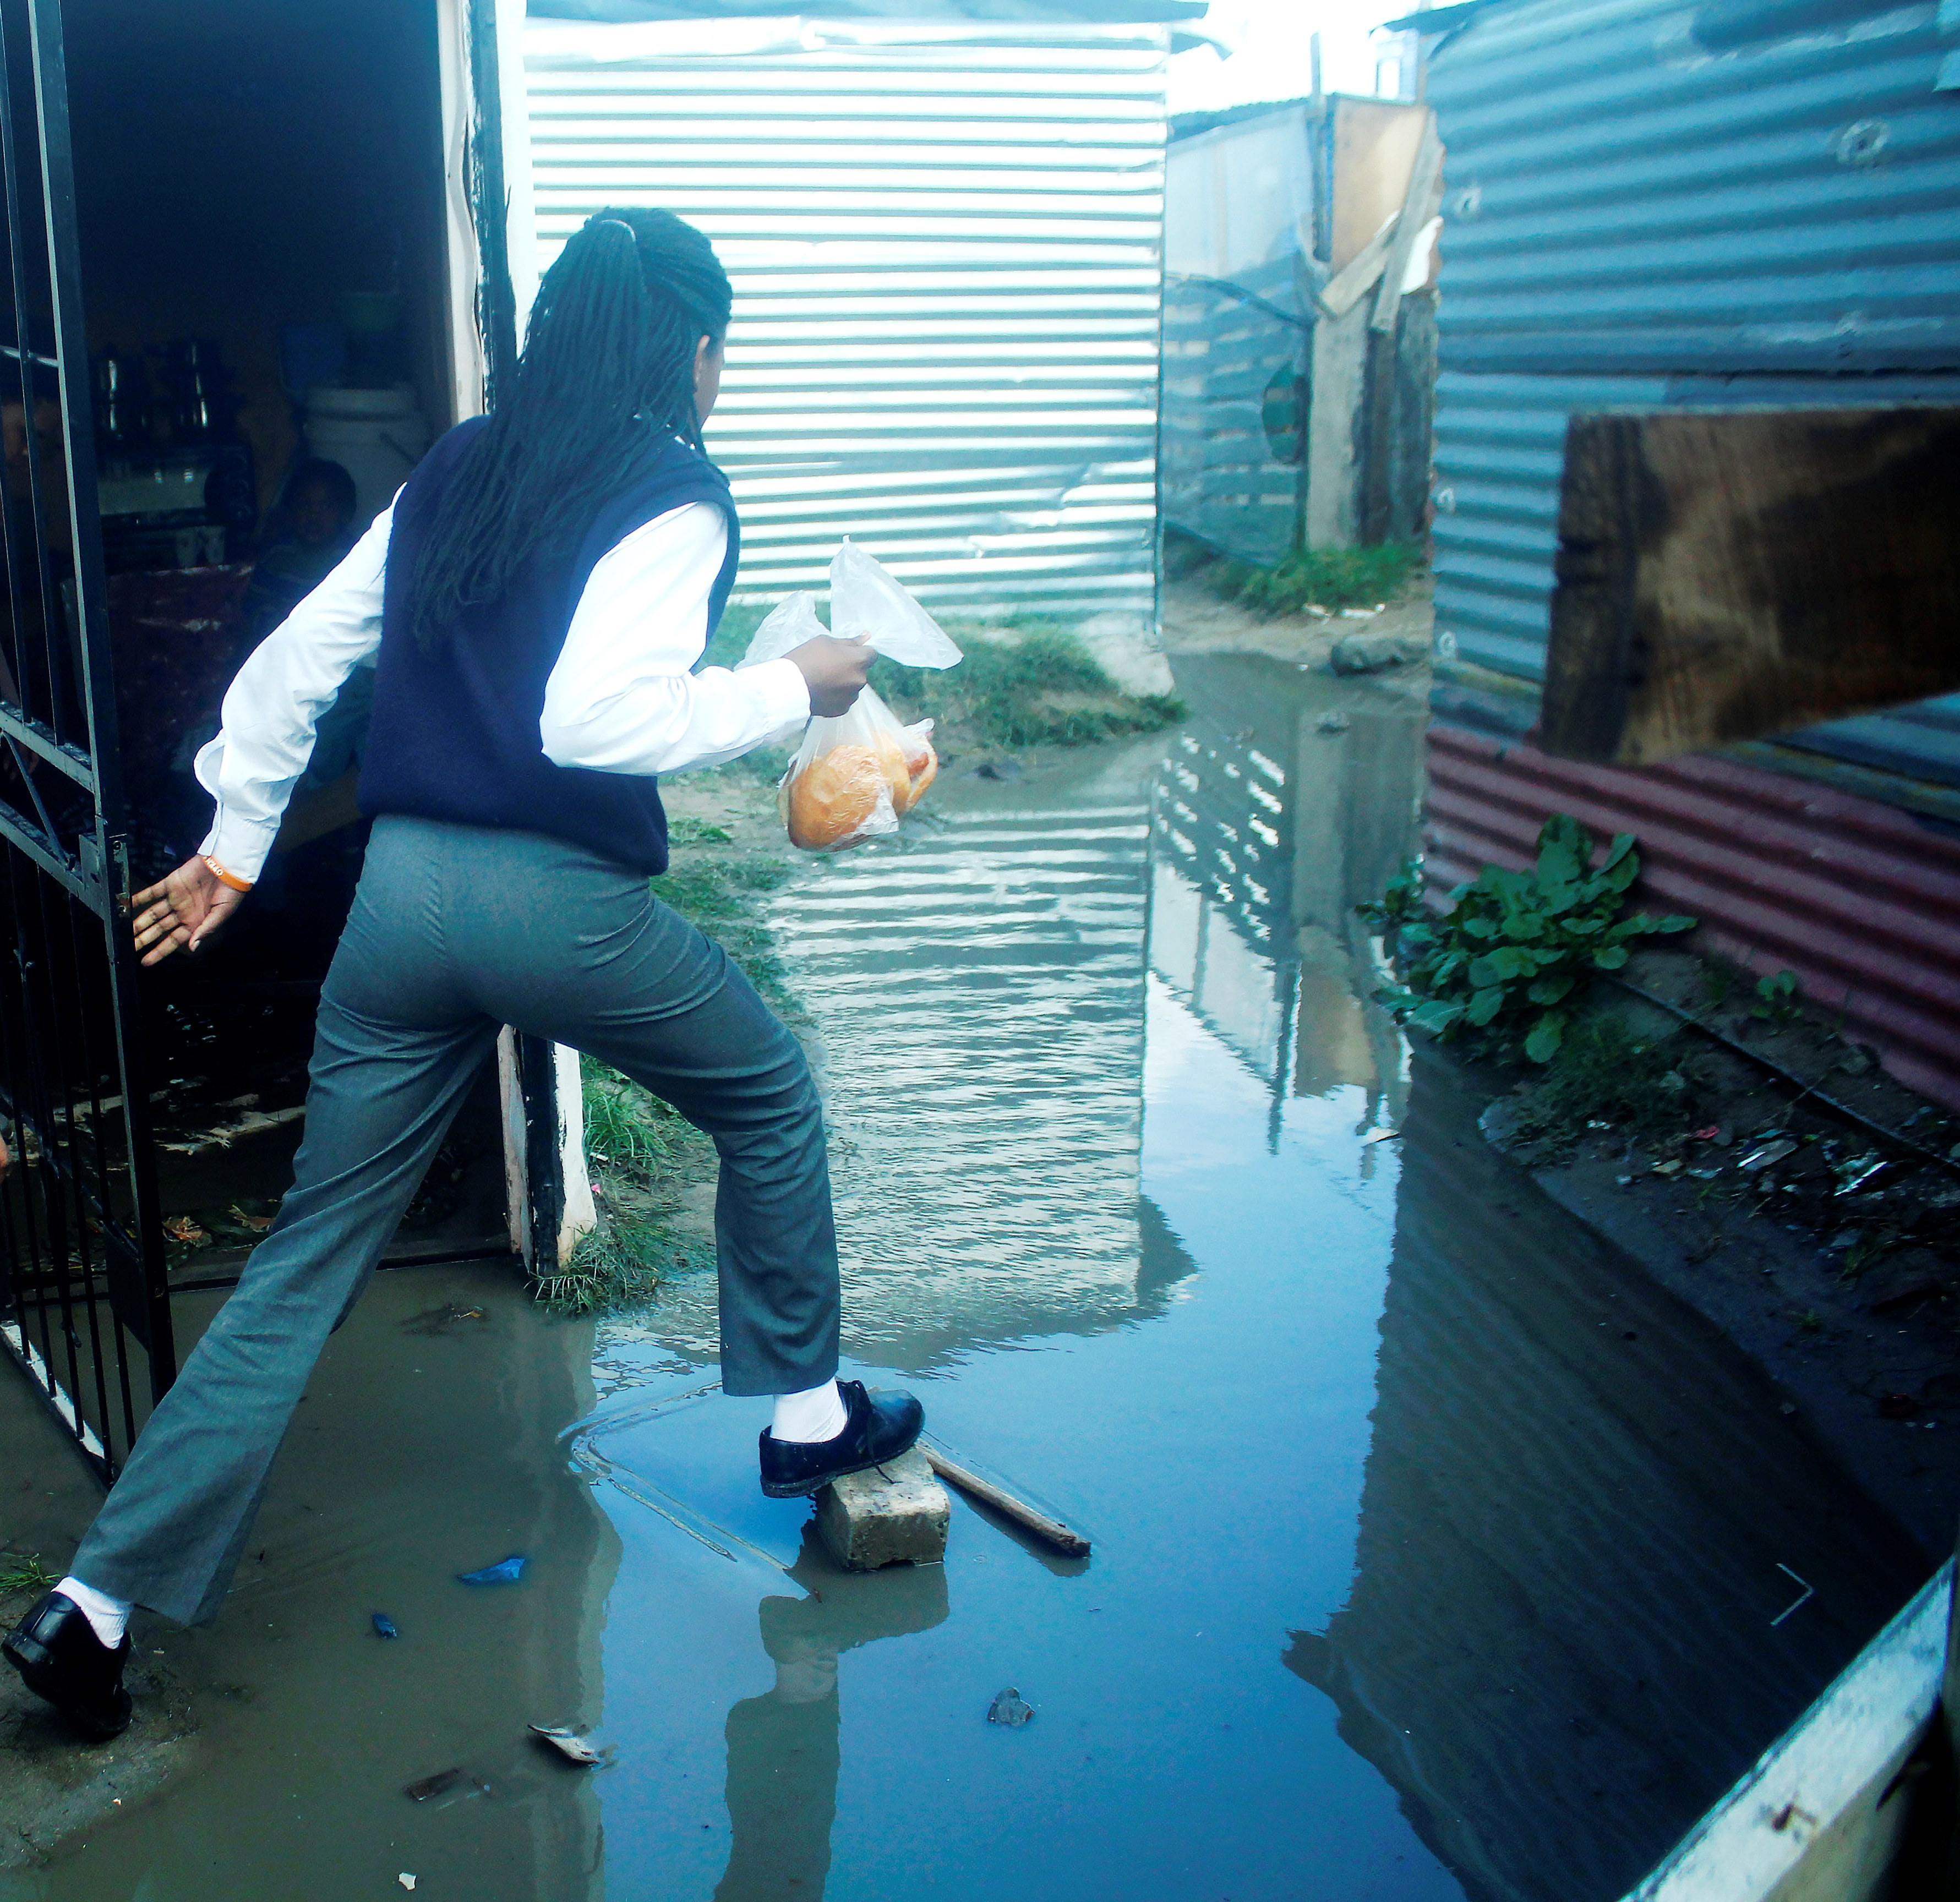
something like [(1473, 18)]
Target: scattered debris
[(1852, 1176), (425, 1788), (385, 1626), (258, 1224), (407, 1881), (1331, 722), (443, 1320), (567, 1743), (250, 1123), (1379, 1136), (1809, 1592), (505, 1571), (1670, 1167), (1005, 770), (1008, 1708), (188, 1230), (1769, 1150)]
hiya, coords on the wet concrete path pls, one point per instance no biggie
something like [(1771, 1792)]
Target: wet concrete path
[(1437, 1553)]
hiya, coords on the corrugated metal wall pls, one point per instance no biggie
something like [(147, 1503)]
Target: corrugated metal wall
[(1636, 221), (946, 241)]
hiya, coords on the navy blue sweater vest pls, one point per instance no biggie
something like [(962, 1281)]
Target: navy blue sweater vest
[(455, 732)]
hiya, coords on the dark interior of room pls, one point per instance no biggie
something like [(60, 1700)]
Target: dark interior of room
[(259, 198)]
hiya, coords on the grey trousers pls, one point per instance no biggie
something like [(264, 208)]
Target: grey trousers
[(455, 931)]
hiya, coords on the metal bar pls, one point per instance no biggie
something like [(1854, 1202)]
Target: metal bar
[(18, 268), (41, 740), (91, 588), (26, 838)]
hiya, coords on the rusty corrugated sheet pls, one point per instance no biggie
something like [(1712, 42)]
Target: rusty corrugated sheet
[(1858, 898)]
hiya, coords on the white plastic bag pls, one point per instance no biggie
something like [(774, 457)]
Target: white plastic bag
[(867, 602), (853, 775)]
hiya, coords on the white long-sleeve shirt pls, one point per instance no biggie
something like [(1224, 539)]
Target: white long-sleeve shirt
[(621, 699)]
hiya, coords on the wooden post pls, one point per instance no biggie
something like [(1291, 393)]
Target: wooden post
[(1724, 575)]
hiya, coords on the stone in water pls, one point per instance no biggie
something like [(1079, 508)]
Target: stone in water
[(895, 1513)]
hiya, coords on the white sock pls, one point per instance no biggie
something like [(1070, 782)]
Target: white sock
[(108, 1617), (818, 1412)]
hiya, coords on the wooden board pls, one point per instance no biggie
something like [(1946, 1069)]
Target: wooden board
[(1725, 576)]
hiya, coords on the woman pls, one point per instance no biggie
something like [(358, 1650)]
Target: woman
[(531, 605)]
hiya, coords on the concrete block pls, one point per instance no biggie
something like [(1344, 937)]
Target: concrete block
[(893, 1513)]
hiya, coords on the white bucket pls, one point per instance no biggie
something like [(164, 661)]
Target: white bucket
[(378, 435)]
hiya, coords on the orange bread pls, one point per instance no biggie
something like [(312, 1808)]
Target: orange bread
[(834, 795), (924, 769)]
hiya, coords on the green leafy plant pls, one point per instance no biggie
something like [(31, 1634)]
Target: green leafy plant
[(1511, 954), (1776, 999)]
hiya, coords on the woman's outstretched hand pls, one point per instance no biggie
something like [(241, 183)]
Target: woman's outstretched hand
[(182, 911), (835, 670)]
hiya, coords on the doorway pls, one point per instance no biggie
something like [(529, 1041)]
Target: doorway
[(252, 265)]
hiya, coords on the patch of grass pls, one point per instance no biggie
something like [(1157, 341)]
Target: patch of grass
[(1603, 1072), (1026, 681), (1038, 686), (24, 1572), (616, 1265), (1347, 577), (642, 1154)]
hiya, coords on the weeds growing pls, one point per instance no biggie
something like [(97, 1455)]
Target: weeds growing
[(1332, 578), (1604, 1072), (1514, 946), (24, 1572), (1038, 686), (643, 1154)]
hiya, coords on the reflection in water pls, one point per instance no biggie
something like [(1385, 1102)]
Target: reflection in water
[(1561, 1646), (1277, 813), (783, 1753)]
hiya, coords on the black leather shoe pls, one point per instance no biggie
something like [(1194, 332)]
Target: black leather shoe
[(56, 1649), (879, 1426)]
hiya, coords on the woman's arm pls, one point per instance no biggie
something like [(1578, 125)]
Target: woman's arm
[(271, 709), (620, 699)]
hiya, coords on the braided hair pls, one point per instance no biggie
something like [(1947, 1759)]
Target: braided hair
[(610, 351)]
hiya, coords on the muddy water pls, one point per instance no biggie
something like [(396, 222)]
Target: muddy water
[(1437, 1554)]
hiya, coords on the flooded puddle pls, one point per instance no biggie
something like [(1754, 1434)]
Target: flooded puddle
[(1436, 1553)]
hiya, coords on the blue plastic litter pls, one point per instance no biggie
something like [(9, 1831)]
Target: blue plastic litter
[(384, 1626), (505, 1571)]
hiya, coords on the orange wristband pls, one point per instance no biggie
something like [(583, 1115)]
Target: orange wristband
[(226, 878)]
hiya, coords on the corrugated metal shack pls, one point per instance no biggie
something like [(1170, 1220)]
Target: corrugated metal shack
[(945, 234), (1297, 400), (1743, 203)]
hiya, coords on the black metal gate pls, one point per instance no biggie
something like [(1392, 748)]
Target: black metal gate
[(84, 1308)]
